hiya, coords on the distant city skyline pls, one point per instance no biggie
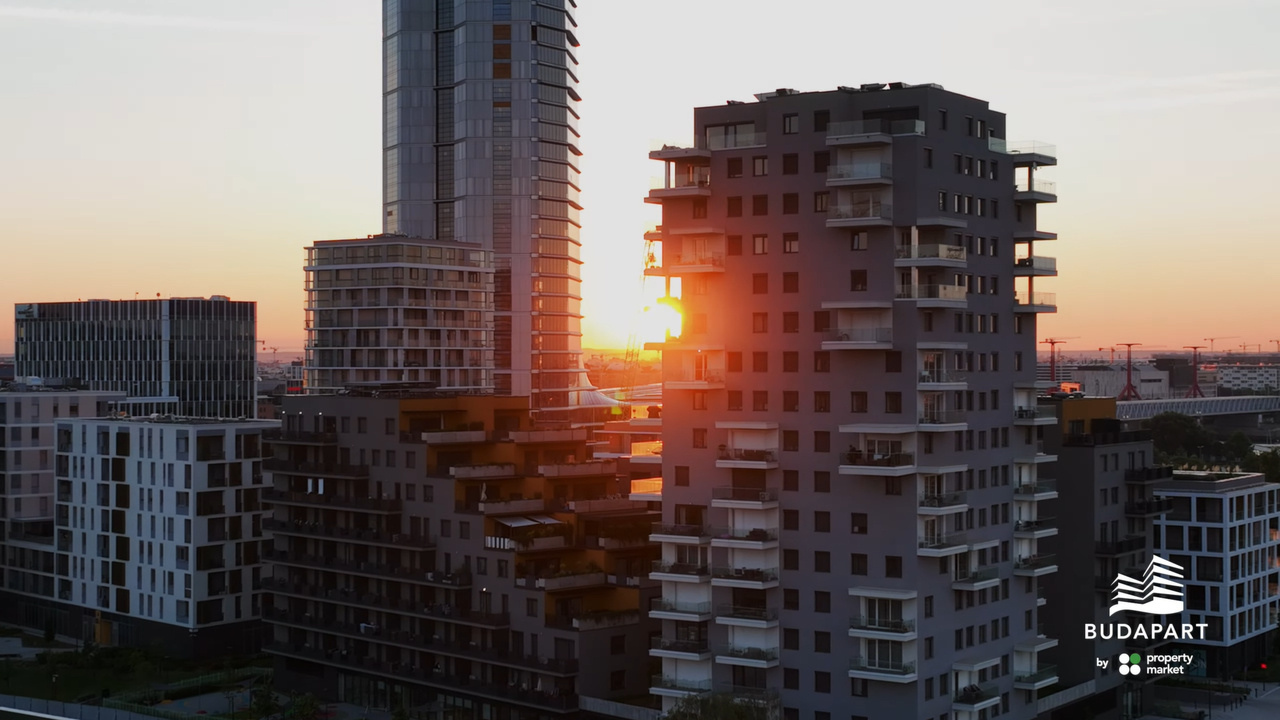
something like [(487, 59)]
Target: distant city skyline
[(189, 150)]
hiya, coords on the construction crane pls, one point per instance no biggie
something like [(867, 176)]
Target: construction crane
[(1195, 391), (1130, 392), (631, 362), (1277, 342), (1244, 347), (1113, 353), (1053, 344), (1210, 340)]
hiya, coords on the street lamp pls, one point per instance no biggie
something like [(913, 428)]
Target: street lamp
[(231, 702)]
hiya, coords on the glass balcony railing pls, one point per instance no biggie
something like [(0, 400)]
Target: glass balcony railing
[(861, 211), (943, 376), (747, 653), (1036, 298), (1023, 147), (743, 612), (940, 500), (743, 494), (1036, 185), (679, 568), (867, 458), (1034, 413), (860, 171), (931, 252), (681, 684), (749, 454), (728, 572), (932, 292), (749, 535), (879, 624), (1038, 262), (888, 666), (864, 335), (874, 127), (1041, 485), (1040, 674), (941, 417), (941, 540), (689, 608)]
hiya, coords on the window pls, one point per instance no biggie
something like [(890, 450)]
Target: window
[(821, 601), (699, 208), (928, 157), (790, 559), (820, 201), (858, 523), (733, 245), (857, 564), (760, 283), (790, 322), (700, 437), (893, 402), (822, 361), (734, 400), (759, 362), (362, 425), (821, 481), (893, 566), (760, 165), (734, 169), (760, 401), (942, 119), (759, 322), (790, 164), (858, 401), (682, 476), (734, 208), (822, 682), (790, 599), (857, 241), (790, 203), (791, 481), (821, 521), (759, 205), (858, 280), (790, 124), (790, 361), (759, 244), (892, 486), (733, 361), (531, 607), (820, 120), (821, 401), (700, 400), (790, 401), (821, 321), (618, 645), (791, 440), (821, 161), (821, 441), (790, 678), (790, 280), (790, 519)]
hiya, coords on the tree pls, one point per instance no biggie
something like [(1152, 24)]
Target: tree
[(1239, 448), (303, 707), (262, 701), (1177, 434), (723, 706), (400, 713)]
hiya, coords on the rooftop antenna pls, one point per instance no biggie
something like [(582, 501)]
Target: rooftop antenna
[(1195, 391), (1053, 344), (1130, 392)]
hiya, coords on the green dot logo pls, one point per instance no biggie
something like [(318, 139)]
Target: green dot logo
[(1130, 664)]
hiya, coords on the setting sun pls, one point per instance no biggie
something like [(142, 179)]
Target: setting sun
[(661, 319)]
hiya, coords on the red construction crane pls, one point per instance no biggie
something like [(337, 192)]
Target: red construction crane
[(1129, 392), (1277, 342), (1113, 353), (1210, 340), (1053, 344), (1195, 391)]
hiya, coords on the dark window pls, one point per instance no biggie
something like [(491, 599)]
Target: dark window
[(821, 401), (858, 280), (821, 561), (790, 679), (820, 120), (734, 400), (733, 245), (821, 521), (699, 208), (820, 201), (821, 320), (735, 167), (893, 402), (790, 124), (760, 165), (822, 683), (790, 322), (790, 164), (821, 601), (790, 203), (759, 362), (682, 475), (700, 437), (791, 440), (790, 280), (821, 481), (790, 401), (791, 481), (790, 361), (733, 361), (821, 441), (790, 559), (760, 400), (858, 564), (790, 599), (821, 160), (858, 523), (618, 645), (928, 158), (790, 519), (760, 322), (760, 283), (821, 361), (893, 361), (893, 566), (735, 206), (759, 205), (858, 401)]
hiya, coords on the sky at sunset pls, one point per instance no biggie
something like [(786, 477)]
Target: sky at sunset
[(193, 148)]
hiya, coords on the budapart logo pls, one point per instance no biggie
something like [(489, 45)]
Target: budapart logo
[(1157, 593)]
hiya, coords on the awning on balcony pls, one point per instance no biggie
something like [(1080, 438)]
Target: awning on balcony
[(516, 521), (545, 520)]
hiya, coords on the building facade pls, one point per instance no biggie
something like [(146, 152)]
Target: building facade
[(481, 147), (851, 514), (201, 352), (433, 551), (398, 309), (1261, 378), (158, 527)]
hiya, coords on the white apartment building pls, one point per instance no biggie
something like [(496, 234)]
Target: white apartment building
[(1259, 378), (1224, 530), (158, 531)]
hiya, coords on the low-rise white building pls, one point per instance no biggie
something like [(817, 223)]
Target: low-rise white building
[(1223, 529), (159, 531), (1255, 377)]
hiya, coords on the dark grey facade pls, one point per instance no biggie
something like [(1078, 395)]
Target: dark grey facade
[(481, 147), (851, 503), (203, 352)]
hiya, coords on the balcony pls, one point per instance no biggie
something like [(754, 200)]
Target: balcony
[(942, 420), (978, 578), (743, 656), (1133, 543), (571, 581), (675, 687), (322, 470), (875, 338), (744, 577), (887, 670), (744, 538), (874, 214), (513, 507), (1035, 529), (663, 609), (679, 649), (680, 534), (748, 458), (339, 502), (871, 132), (343, 534), (1042, 677), (1041, 489), (741, 498), (1148, 475), (744, 616), (941, 545), (679, 572), (446, 437), (936, 379), (855, 174), (1148, 508), (1036, 565), (934, 296), (947, 256), (483, 472), (694, 380), (695, 183), (1025, 153), (688, 265), (1036, 266), (1035, 191), (975, 698), (1036, 302), (862, 462), (943, 503), (366, 568), (282, 436), (1031, 416), (579, 469), (878, 628), (378, 603)]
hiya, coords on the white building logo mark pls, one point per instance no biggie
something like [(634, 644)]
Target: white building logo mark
[(1157, 593)]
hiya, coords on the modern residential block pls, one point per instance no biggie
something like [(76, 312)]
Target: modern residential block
[(199, 352), (398, 309), (434, 550), (852, 514), (481, 147)]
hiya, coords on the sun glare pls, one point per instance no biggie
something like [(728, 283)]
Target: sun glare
[(662, 319)]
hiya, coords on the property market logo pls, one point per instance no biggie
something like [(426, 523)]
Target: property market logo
[(1157, 593)]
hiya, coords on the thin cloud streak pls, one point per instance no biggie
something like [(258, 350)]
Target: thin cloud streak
[(155, 21)]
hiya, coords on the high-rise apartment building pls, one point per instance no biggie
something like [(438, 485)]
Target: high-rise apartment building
[(156, 535), (481, 147), (434, 550), (398, 309), (850, 422), (200, 352)]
